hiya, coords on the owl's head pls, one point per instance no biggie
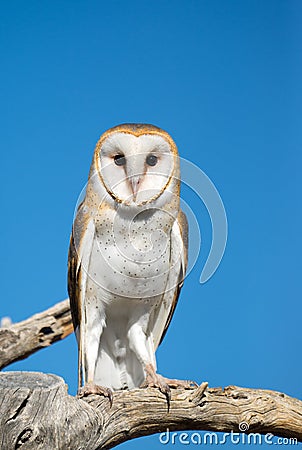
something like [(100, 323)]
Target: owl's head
[(137, 164)]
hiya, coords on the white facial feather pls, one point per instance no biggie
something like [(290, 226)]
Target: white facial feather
[(136, 182)]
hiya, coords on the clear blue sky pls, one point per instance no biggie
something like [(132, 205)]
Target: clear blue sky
[(224, 78)]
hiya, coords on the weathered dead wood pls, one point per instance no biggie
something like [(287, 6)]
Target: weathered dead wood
[(17, 341), (37, 413)]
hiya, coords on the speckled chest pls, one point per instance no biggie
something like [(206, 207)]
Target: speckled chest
[(131, 254)]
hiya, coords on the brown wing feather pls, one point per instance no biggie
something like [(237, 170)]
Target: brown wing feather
[(74, 278), (183, 225), (74, 263), (73, 284), (74, 299)]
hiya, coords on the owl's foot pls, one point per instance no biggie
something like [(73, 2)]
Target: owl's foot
[(91, 388), (155, 380), (164, 384)]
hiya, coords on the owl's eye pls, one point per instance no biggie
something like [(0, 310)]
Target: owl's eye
[(120, 160), (151, 160)]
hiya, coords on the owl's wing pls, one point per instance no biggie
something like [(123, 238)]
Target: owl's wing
[(179, 261), (78, 260)]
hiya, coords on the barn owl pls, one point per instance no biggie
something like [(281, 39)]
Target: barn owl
[(127, 260)]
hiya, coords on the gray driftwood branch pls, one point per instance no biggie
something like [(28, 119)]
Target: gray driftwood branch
[(19, 340), (36, 411)]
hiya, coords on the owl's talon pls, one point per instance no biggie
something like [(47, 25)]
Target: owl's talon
[(91, 388), (155, 380), (165, 389)]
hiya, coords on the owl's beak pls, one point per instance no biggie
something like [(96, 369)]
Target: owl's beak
[(135, 181)]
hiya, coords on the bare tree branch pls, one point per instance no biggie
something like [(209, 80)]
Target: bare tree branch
[(17, 341), (37, 412)]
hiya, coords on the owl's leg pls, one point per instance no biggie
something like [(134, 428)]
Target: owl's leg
[(91, 339), (139, 344)]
